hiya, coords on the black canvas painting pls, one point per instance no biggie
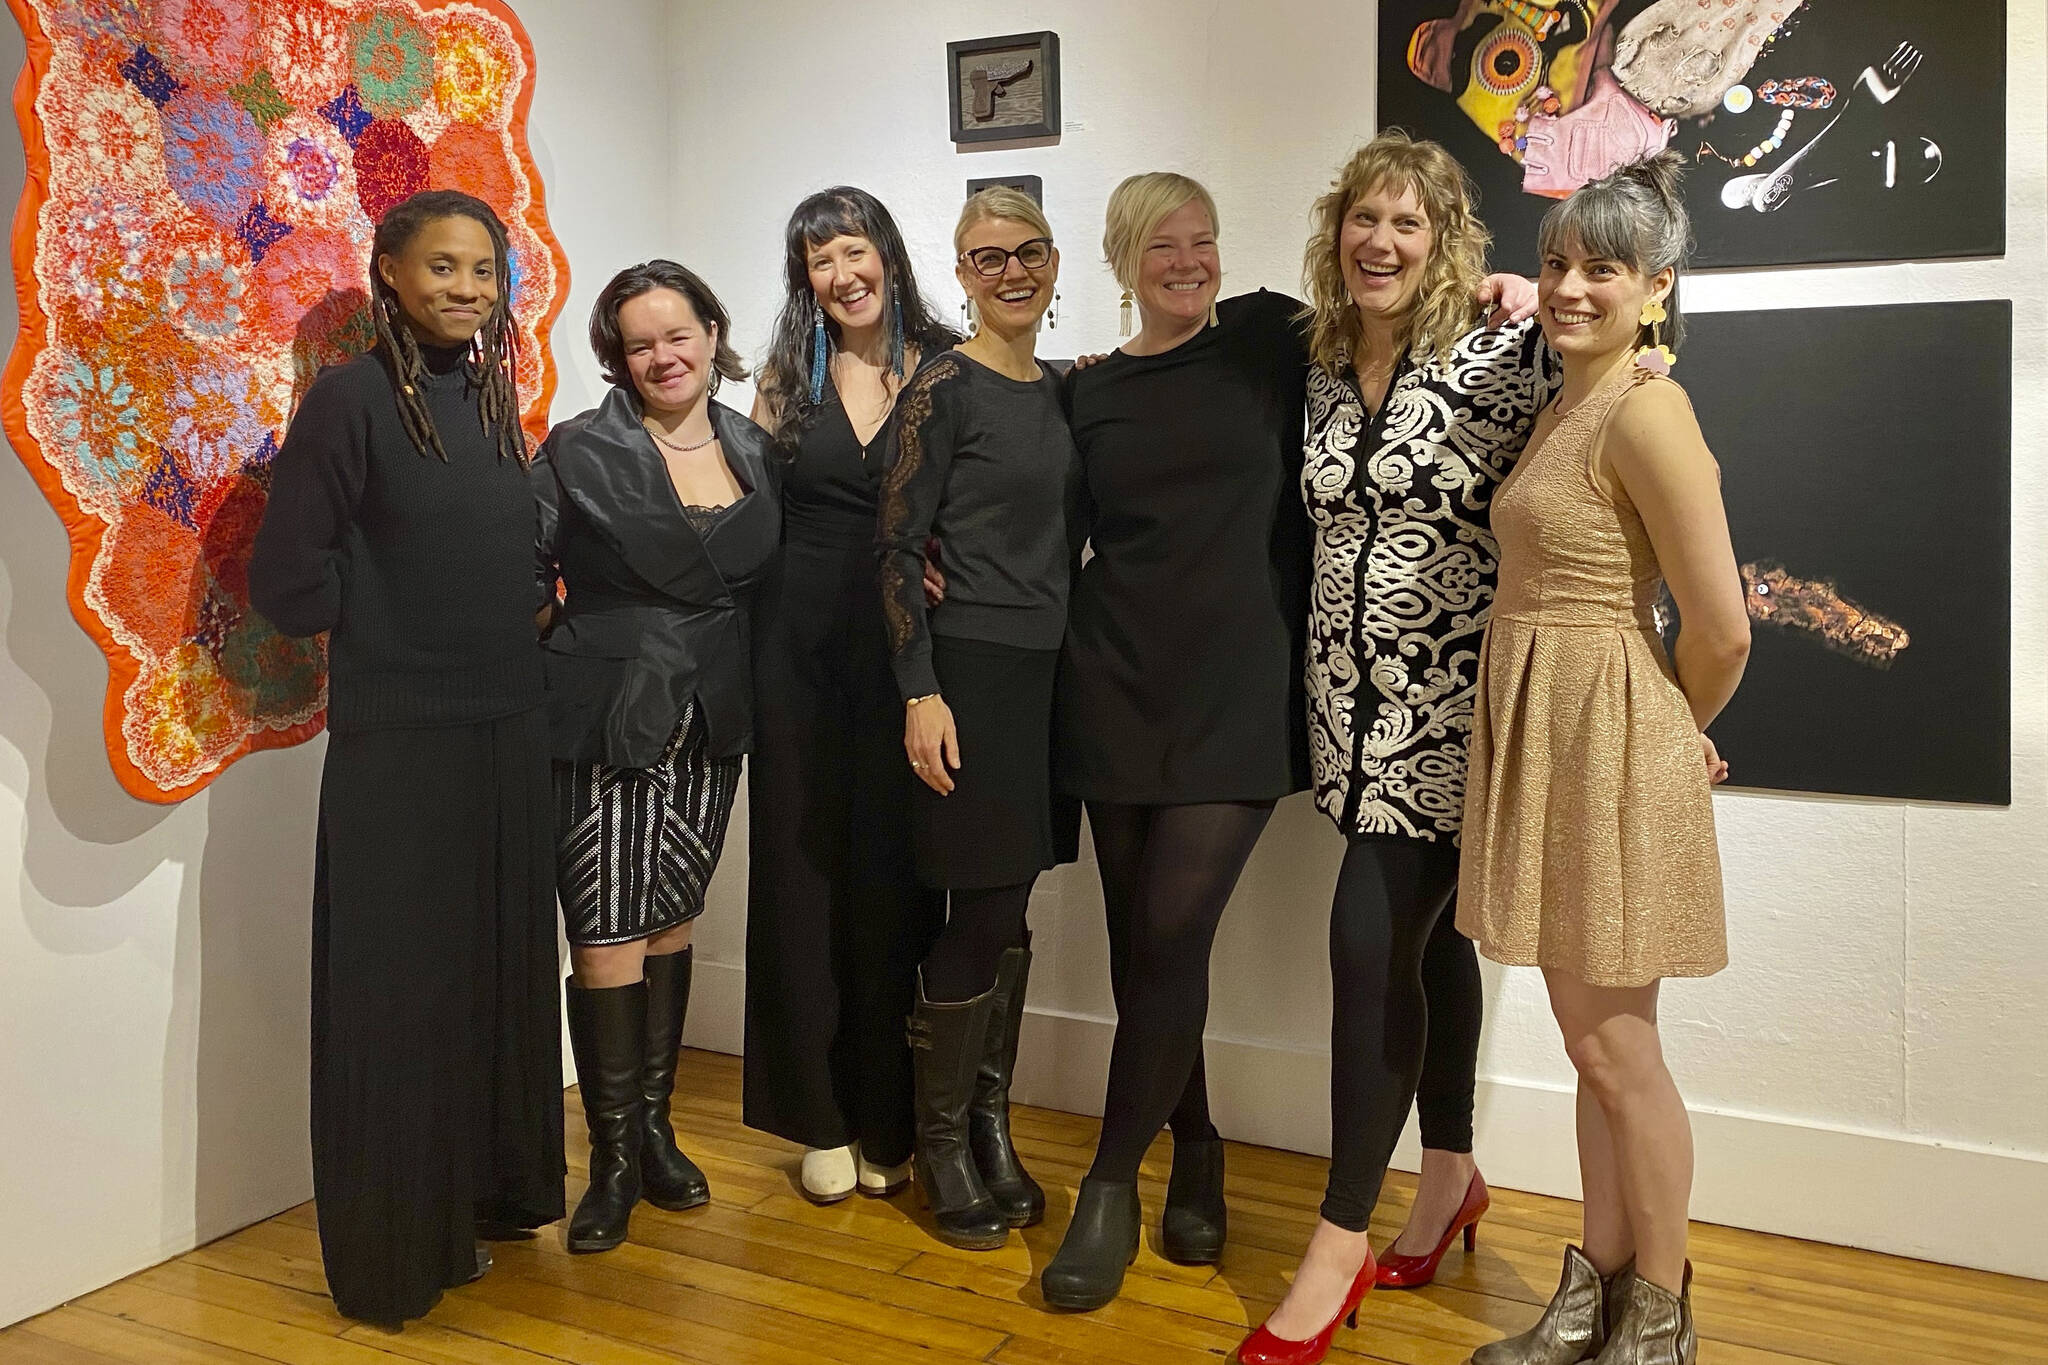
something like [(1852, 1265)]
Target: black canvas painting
[(1866, 467), (1813, 130)]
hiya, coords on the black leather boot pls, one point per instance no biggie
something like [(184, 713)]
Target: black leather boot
[(608, 1034), (988, 1116), (1101, 1241), (1191, 1230), (668, 1179), (946, 1044)]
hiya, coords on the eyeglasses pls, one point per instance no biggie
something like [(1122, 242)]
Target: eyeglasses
[(992, 261)]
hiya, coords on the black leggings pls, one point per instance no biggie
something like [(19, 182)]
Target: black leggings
[(981, 925), (1391, 895), (1167, 873)]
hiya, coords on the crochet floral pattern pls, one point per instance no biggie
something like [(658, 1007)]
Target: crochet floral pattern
[(203, 180)]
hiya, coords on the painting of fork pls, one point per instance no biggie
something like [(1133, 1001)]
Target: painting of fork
[(1816, 130)]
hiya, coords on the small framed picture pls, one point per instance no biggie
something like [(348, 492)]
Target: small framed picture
[(1000, 89), (1029, 184)]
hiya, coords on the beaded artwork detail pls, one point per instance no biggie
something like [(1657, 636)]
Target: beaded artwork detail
[(203, 178)]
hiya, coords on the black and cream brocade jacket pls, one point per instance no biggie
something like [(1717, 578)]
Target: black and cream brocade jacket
[(1405, 562)]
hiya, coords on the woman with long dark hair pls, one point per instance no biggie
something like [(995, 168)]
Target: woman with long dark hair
[(836, 919), (657, 514), (400, 522)]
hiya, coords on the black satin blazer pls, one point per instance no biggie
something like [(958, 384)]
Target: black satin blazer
[(654, 613)]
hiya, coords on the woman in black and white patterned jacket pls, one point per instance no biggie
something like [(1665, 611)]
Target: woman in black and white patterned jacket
[(1416, 411)]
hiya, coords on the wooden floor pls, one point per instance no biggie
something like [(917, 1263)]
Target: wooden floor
[(763, 1276)]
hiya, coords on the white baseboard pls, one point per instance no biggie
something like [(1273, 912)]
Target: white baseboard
[(1883, 1192)]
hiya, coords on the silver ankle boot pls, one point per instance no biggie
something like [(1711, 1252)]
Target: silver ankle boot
[(1655, 1326), (1572, 1329)]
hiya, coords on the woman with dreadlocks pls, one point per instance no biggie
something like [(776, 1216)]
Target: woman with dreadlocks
[(836, 919), (401, 522), (657, 514)]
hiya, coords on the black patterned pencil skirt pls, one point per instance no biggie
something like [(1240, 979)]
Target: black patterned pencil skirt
[(635, 847)]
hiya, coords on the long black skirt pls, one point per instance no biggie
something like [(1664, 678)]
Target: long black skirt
[(836, 919), (437, 1062), (996, 827)]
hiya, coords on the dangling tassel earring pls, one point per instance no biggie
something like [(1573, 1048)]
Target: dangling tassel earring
[(896, 331), (1213, 319), (1655, 357), (1123, 312), (817, 351)]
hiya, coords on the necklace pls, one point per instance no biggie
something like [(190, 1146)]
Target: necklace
[(677, 447)]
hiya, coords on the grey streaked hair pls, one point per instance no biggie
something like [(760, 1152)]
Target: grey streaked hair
[(1635, 215)]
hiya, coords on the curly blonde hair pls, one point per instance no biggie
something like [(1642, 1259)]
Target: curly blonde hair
[(1445, 308)]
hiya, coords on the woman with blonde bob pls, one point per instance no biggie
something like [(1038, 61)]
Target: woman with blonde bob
[(1416, 411), (982, 459)]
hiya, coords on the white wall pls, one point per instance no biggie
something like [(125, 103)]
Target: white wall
[(1874, 1067), (153, 960)]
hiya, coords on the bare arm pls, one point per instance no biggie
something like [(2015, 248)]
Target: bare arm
[(1655, 451)]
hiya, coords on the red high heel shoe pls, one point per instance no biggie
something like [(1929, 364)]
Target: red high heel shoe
[(1413, 1272), (1263, 1348)]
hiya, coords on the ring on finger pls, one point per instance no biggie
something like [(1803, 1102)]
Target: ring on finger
[(916, 766)]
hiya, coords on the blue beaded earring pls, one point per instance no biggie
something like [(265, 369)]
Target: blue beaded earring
[(817, 351), (896, 331)]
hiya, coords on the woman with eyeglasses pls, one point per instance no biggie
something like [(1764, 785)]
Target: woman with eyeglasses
[(982, 460)]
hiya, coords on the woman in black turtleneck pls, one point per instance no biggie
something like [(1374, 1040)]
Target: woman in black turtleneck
[(401, 522)]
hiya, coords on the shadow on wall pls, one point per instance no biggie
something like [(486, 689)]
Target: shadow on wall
[(192, 920)]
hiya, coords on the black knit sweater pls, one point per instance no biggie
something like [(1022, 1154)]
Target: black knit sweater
[(422, 571)]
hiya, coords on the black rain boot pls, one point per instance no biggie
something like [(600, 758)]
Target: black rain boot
[(988, 1117), (607, 1033), (668, 1179), (1191, 1230), (946, 1044), (1088, 1269)]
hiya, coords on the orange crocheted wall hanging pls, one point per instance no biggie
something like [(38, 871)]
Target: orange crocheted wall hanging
[(191, 247)]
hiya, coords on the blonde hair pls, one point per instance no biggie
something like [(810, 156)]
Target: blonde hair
[(1004, 202), (1445, 307), (1136, 209)]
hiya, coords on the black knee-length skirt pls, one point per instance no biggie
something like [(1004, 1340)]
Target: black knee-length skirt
[(997, 828), (636, 847)]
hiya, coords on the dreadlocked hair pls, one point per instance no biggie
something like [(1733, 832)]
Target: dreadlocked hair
[(494, 353)]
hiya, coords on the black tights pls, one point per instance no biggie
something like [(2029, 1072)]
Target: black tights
[(1390, 897), (981, 924), (1450, 1055), (1167, 873)]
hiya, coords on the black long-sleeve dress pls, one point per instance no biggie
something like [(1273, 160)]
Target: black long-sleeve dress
[(436, 1060), (836, 918), (1180, 680)]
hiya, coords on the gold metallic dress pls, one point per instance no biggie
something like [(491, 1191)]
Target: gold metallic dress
[(1589, 825)]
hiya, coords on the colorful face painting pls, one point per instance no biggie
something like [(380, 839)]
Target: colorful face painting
[(203, 179)]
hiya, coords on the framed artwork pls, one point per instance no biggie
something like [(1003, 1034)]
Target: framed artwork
[(1813, 130), (1030, 184), (191, 248), (1871, 509), (1002, 89)]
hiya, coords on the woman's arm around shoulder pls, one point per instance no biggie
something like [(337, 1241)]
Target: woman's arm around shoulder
[(316, 483), (1658, 456)]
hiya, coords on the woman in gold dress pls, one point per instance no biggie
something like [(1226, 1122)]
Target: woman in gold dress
[(1589, 828)]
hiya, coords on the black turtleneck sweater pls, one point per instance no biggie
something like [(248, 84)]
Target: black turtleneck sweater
[(422, 570)]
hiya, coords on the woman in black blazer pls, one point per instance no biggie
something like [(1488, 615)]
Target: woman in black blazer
[(657, 514)]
